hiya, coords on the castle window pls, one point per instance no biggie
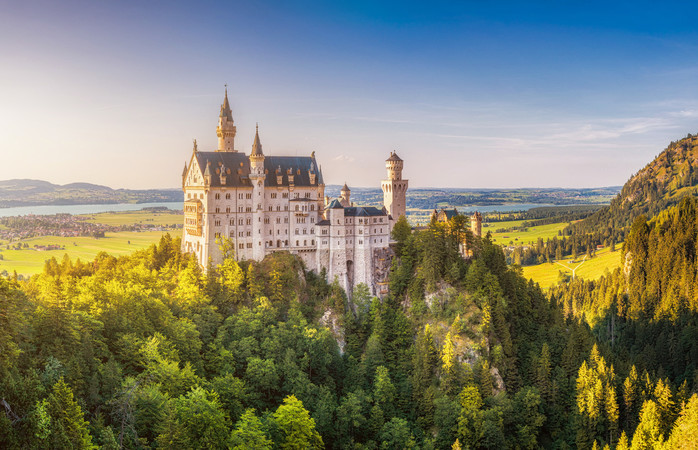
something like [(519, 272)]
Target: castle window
[(241, 233), (241, 222), (312, 207), (273, 195), (201, 196), (241, 246), (218, 222), (307, 195), (249, 221), (227, 196), (296, 207), (227, 209), (284, 195), (248, 196), (304, 231), (285, 207), (312, 231), (285, 219), (312, 242), (278, 220), (218, 196), (286, 242), (218, 210), (278, 207), (217, 235), (248, 209), (249, 245), (297, 244), (312, 220), (296, 230), (240, 196), (361, 231), (361, 241), (239, 208), (249, 233), (266, 220), (305, 242), (231, 234)]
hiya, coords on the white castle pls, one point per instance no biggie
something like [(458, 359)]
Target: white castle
[(266, 204)]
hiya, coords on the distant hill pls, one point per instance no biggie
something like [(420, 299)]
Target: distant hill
[(662, 183), (25, 192)]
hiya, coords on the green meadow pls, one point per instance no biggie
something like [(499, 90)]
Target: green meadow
[(160, 218), (28, 261), (547, 274), (530, 236)]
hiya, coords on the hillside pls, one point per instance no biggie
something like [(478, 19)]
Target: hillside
[(25, 192), (662, 183)]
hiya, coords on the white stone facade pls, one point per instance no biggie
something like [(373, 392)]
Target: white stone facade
[(264, 204)]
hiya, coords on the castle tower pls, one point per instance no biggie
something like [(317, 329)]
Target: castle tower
[(476, 224), (226, 127), (345, 196), (394, 188), (257, 177)]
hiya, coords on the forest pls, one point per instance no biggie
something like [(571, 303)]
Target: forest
[(149, 351)]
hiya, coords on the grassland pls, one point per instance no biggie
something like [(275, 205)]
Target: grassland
[(159, 218), (528, 237), (547, 274), (28, 261)]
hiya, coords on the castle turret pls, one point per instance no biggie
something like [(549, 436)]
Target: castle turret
[(226, 127), (257, 177), (476, 224), (394, 188), (345, 196)]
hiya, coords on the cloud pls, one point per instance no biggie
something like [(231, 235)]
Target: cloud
[(344, 158)]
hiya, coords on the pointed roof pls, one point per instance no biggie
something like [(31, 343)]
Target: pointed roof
[(334, 204), (207, 172), (257, 146), (225, 107), (394, 157), (345, 187), (185, 169)]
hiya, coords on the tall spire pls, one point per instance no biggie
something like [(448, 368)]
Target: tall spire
[(226, 128), (257, 146), (225, 107)]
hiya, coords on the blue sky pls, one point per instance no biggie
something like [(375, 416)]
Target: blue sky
[(471, 94)]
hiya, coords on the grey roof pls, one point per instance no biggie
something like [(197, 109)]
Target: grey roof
[(257, 146), (363, 211), (334, 204), (394, 157), (225, 107), (323, 223), (239, 166)]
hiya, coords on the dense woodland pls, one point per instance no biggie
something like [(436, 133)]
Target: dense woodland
[(148, 351)]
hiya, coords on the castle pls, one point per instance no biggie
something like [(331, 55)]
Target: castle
[(266, 204)]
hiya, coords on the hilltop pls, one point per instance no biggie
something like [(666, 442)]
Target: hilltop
[(662, 183), (26, 192)]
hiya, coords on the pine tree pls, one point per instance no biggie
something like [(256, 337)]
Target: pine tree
[(69, 429)]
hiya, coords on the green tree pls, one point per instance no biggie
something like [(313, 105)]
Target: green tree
[(249, 433), (296, 426), (684, 435), (648, 433), (69, 429), (196, 420)]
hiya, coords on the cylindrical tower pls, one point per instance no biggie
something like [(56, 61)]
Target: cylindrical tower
[(394, 188)]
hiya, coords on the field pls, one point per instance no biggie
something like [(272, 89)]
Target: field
[(161, 218), (546, 274), (530, 236), (28, 261)]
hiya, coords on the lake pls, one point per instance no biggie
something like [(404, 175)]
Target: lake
[(93, 209), (83, 209)]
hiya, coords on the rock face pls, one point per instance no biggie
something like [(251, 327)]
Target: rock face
[(330, 320)]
